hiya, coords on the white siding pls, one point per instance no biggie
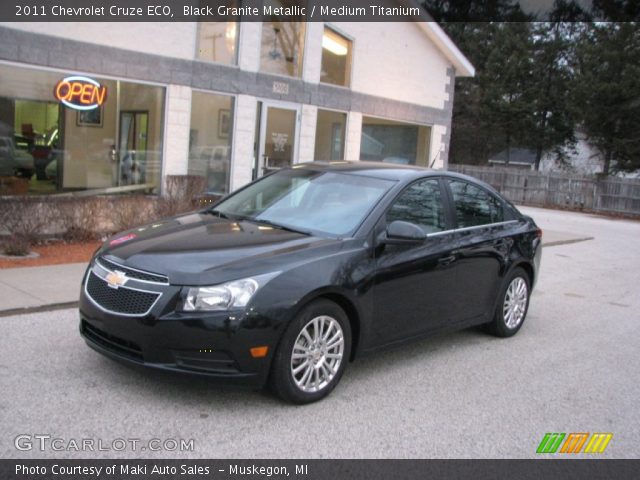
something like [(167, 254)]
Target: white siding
[(354, 132), (312, 52), (244, 129), (437, 146), (176, 138), (169, 39), (396, 60), (307, 140), (249, 46)]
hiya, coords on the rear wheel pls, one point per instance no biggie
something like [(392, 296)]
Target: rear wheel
[(513, 304), (313, 353)]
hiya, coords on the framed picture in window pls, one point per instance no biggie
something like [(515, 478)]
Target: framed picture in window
[(89, 118), (224, 123)]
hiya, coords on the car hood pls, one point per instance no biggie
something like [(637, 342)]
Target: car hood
[(200, 248)]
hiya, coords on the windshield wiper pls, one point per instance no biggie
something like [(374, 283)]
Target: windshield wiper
[(226, 216), (277, 225)]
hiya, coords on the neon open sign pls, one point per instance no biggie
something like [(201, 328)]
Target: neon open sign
[(81, 93)]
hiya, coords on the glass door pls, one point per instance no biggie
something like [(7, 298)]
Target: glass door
[(278, 137)]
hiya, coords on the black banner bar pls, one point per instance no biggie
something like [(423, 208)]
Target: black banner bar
[(210, 11), (312, 11), (318, 469)]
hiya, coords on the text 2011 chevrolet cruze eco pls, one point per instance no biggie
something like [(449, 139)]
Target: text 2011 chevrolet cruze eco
[(287, 280)]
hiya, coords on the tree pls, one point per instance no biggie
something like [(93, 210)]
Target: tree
[(607, 92), (470, 24), (616, 10), (552, 109), (507, 80)]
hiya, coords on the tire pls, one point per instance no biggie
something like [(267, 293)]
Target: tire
[(513, 304), (311, 373)]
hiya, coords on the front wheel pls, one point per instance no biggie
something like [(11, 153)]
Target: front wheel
[(513, 304), (313, 353)]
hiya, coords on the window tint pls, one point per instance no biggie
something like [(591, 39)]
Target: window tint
[(420, 204), (474, 205)]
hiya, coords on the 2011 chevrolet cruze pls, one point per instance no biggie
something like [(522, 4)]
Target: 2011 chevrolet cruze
[(287, 280)]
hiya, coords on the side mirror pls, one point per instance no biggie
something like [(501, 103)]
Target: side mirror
[(399, 232)]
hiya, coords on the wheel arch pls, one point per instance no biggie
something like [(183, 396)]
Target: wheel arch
[(343, 301), (353, 316), (528, 268)]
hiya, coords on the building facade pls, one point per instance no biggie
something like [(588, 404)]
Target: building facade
[(224, 100)]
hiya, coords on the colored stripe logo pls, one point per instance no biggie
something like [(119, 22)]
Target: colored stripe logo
[(574, 442)]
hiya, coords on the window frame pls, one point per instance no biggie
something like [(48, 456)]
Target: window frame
[(234, 112), (303, 61), (446, 207), (507, 214), (350, 54), (400, 122), (236, 53), (346, 131)]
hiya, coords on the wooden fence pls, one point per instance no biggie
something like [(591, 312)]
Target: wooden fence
[(526, 187)]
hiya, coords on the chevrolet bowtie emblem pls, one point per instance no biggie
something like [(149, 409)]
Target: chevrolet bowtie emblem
[(116, 279)]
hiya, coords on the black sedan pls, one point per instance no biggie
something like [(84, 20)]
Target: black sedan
[(287, 280)]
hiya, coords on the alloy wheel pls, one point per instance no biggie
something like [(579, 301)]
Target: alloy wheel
[(515, 302), (317, 354)]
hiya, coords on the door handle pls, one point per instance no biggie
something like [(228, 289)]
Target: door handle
[(447, 260)]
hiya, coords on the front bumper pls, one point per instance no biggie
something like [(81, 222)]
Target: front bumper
[(213, 344)]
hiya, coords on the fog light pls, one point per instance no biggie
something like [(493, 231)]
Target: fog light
[(259, 352)]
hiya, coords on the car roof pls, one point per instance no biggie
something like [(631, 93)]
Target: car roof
[(389, 171)]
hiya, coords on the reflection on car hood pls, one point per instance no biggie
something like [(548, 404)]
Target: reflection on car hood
[(201, 248)]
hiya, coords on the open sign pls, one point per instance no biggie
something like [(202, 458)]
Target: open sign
[(81, 93)]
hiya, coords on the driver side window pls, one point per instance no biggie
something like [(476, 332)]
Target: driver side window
[(420, 204)]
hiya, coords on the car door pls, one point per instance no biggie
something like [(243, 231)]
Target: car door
[(482, 244), (414, 283)]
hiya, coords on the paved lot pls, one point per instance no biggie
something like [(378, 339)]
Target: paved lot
[(574, 367)]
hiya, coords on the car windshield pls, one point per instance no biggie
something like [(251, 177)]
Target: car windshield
[(309, 201)]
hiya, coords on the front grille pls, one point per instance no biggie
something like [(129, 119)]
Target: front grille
[(119, 300), (111, 342), (132, 273)]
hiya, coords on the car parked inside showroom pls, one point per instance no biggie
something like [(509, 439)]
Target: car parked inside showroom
[(14, 161), (287, 280)]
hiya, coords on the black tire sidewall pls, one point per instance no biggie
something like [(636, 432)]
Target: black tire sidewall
[(281, 380)]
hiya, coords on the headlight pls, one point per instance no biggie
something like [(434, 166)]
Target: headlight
[(235, 294)]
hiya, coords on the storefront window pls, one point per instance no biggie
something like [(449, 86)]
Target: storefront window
[(210, 139), (394, 142), (336, 58), (217, 41), (49, 146), (282, 45), (330, 133)]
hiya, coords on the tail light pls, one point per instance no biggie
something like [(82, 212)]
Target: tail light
[(539, 233)]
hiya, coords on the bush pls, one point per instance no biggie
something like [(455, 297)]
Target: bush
[(130, 211), (84, 218), (181, 195), (81, 218), (16, 245), (26, 217)]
